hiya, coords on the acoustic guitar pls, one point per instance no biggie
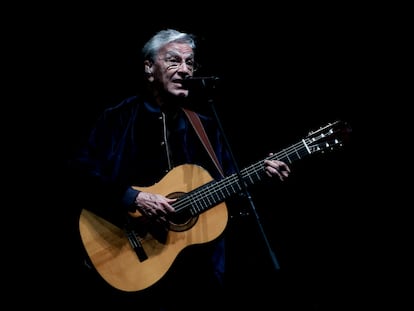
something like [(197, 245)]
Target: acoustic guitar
[(134, 257)]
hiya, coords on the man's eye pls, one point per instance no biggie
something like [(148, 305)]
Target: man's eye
[(175, 61)]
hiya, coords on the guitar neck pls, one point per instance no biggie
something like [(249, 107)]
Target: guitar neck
[(217, 191)]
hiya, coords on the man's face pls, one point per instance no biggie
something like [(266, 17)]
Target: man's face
[(175, 62)]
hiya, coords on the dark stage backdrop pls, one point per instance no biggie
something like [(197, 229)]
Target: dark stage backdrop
[(281, 76)]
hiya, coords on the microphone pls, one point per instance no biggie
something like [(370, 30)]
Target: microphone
[(211, 78), (200, 82)]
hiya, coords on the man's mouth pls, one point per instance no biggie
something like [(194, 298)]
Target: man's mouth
[(179, 81)]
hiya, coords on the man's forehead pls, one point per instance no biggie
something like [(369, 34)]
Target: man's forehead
[(176, 48)]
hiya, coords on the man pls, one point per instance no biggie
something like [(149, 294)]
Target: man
[(137, 144)]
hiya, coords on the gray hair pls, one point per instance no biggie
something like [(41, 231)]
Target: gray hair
[(163, 37)]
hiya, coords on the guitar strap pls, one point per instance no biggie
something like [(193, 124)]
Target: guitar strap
[(199, 128)]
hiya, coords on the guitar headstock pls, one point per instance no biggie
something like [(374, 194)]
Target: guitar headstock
[(329, 137)]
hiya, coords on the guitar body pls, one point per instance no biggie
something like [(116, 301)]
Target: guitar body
[(110, 250)]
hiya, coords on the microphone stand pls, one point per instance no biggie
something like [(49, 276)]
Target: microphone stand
[(243, 185)]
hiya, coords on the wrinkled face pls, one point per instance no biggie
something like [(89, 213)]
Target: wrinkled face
[(174, 62)]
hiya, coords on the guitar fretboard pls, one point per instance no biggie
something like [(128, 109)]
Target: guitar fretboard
[(215, 192)]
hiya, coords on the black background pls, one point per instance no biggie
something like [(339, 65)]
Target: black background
[(283, 72)]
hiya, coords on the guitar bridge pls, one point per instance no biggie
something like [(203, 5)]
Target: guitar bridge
[(136, 245)]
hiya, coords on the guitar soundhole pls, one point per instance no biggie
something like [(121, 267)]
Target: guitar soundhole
[(178, 223), (182, 220)]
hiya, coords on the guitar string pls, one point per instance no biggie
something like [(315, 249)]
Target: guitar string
[(231, 180), (254, 169)]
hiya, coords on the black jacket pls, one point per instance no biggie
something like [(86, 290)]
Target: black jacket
[(129, 147)]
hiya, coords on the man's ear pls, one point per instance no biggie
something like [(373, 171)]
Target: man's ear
[(148, 70), (148, 67)]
